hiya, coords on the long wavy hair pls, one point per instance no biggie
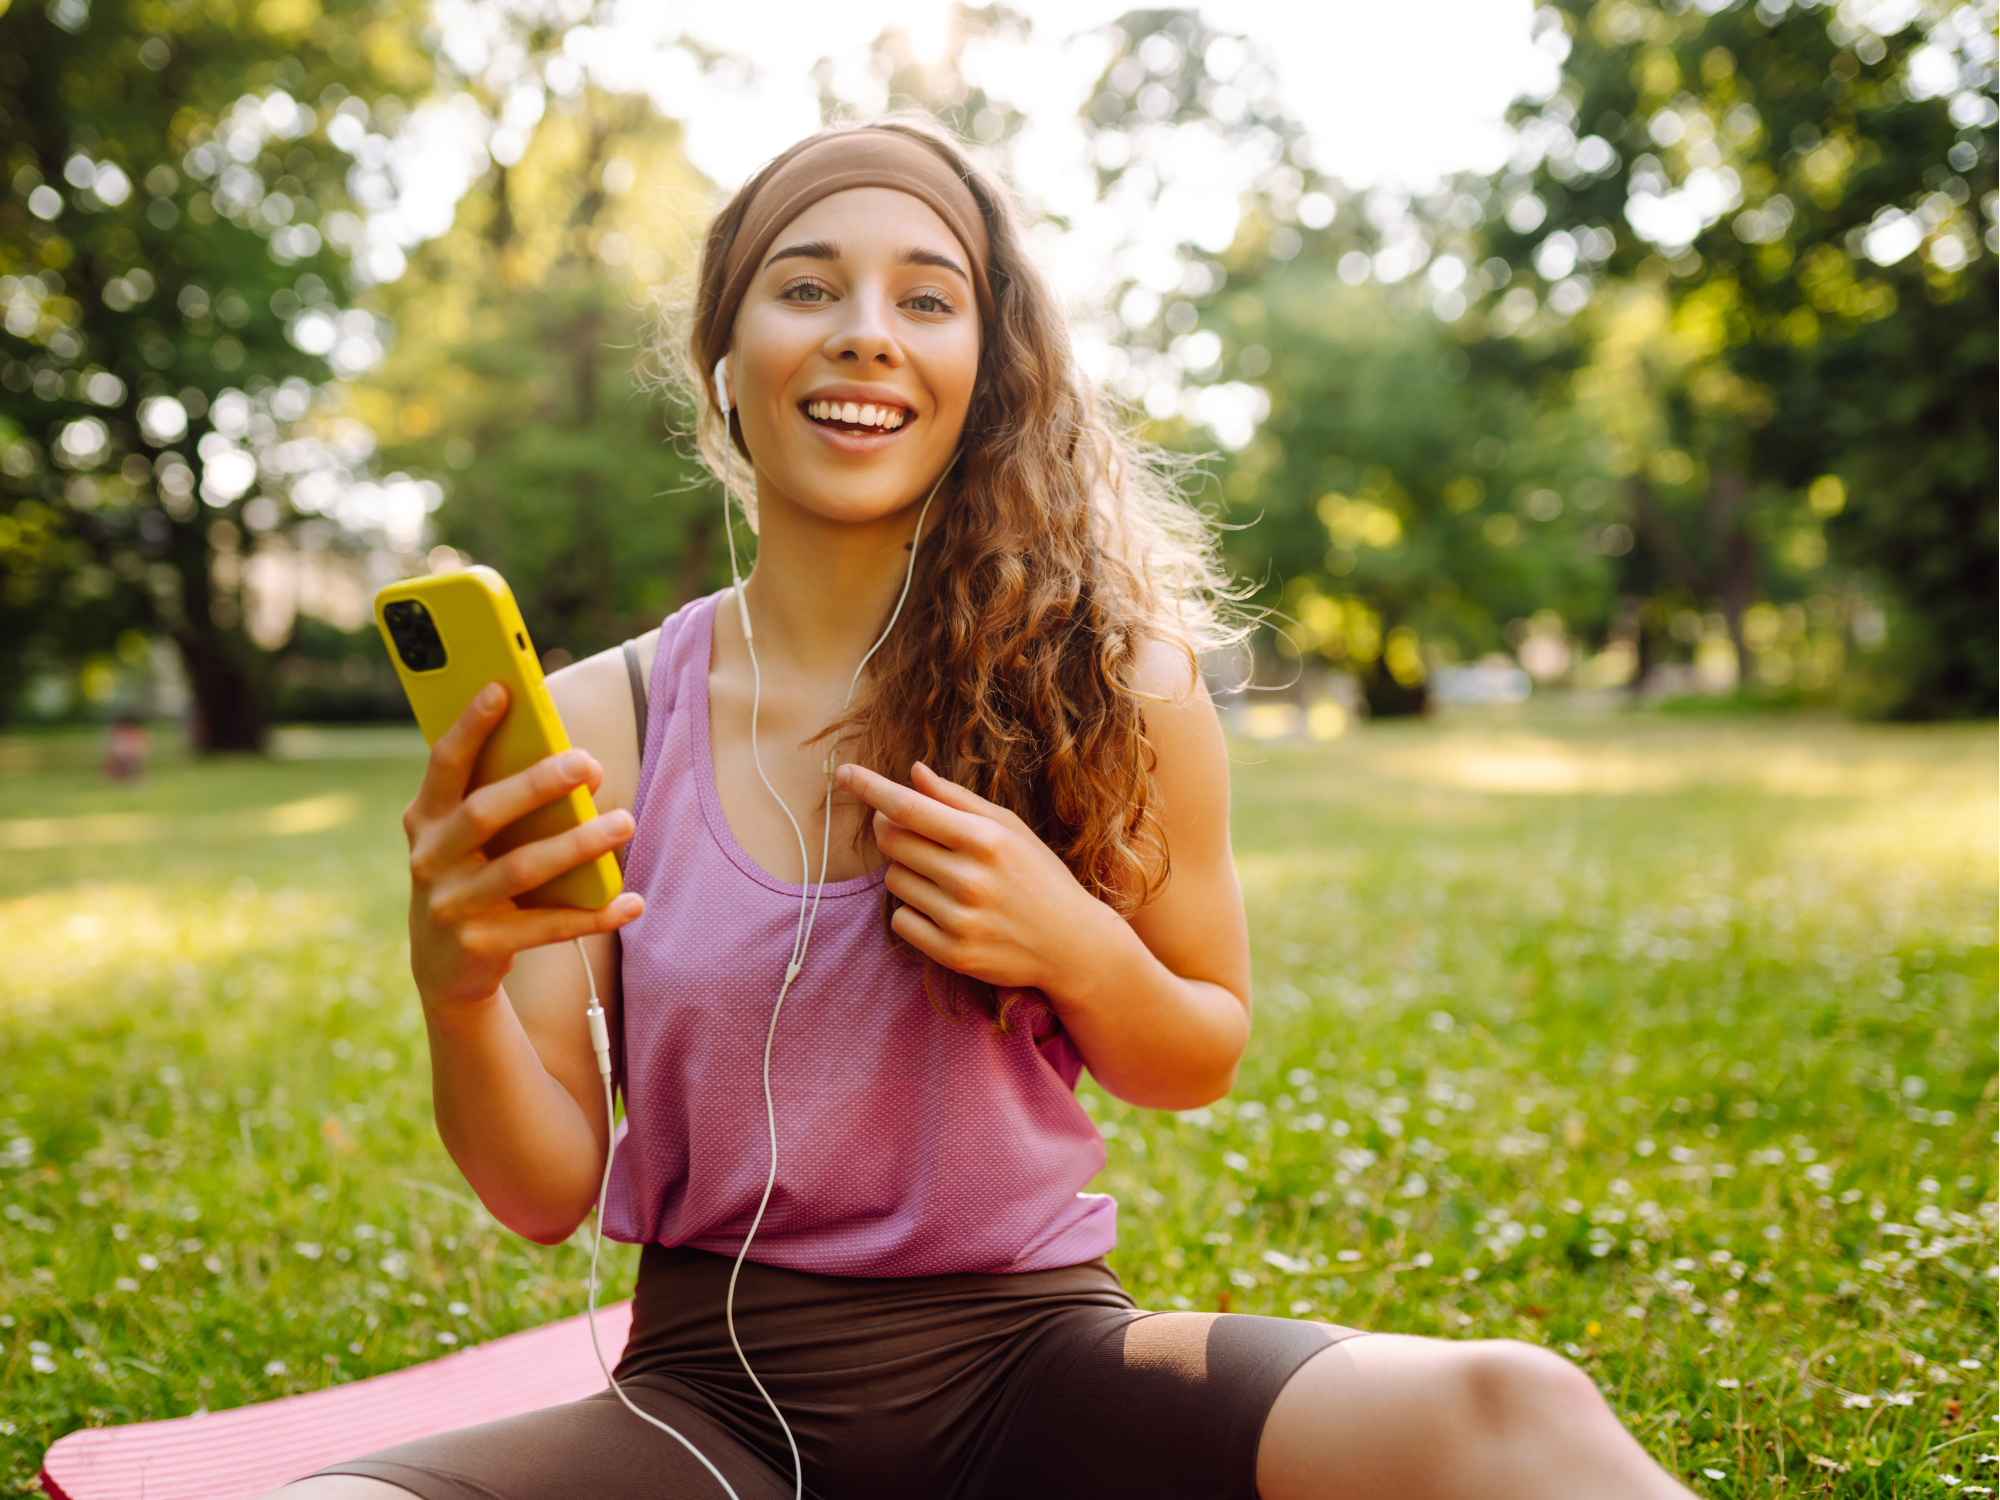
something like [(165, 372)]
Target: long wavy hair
[(1063, 545)]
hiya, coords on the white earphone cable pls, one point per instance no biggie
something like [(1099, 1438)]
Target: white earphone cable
[(809, 900), (600, 1039)]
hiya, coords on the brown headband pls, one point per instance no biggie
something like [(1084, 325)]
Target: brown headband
[(833, 163)]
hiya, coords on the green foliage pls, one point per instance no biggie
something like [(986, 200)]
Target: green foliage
[(173, 212), (1814, 235), (1665, 1043), (522, 372), (1409, 475)]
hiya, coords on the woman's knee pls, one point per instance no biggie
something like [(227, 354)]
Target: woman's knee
[(1512, 1389)]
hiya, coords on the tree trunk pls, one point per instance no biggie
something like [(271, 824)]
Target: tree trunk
[(220, 663), (229, 702), (1727, 497)]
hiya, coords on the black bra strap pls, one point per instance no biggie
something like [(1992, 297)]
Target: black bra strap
[(637, 678)]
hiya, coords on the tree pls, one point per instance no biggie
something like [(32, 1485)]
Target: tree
[(171, 259), (1788, 198), (519, 376)]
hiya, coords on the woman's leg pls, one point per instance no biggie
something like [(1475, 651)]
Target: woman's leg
[(1438, 1419)]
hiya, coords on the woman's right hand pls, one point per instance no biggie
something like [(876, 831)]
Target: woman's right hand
[(465, 927)]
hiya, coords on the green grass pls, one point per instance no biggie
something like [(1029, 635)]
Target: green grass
[(1667, 1042)]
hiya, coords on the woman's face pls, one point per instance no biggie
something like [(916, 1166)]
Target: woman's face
[(854, 355)]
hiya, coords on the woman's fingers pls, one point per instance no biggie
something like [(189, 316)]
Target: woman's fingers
[(927, 896), (533, 865), (517, 931), (914, 810), (921, 933), (452, 757), (951, 794), (485, 812), (912, 849)]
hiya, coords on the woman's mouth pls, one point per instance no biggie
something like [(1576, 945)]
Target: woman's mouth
[(862, 418)]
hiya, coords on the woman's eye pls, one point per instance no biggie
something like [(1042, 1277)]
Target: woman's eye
[(927, 302), (806, 291)]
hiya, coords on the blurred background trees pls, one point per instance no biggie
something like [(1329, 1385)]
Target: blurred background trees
[(1696, 390), (174, 248)]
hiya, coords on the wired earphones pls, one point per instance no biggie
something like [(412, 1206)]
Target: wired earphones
[(809, 899)]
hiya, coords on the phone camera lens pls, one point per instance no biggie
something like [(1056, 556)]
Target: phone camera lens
[(415, 634)]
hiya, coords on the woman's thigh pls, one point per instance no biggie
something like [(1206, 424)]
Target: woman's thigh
[(591, 1447), (1426, 1419)]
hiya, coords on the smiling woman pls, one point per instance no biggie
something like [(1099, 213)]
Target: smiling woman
[(881, 1272)]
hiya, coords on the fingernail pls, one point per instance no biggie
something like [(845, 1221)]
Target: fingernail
[(489, 697), (574, 765), (843, 776)]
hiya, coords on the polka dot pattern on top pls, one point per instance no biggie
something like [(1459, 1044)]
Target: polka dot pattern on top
[(909, 1143)]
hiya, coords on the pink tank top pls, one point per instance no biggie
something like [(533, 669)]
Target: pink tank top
[(909, 1143)]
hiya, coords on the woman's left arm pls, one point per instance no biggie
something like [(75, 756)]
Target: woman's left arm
[(1159, 1006)]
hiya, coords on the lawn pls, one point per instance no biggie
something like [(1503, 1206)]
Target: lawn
[(1669, 1043)]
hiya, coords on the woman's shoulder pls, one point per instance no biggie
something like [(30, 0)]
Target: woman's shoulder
[(594, 697)]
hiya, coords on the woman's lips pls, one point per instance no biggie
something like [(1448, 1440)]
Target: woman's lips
[(855, 435), (883, 416)]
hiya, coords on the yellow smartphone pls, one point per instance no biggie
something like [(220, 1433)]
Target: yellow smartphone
[(449, 635)]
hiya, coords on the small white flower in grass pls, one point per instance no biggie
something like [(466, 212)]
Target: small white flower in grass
[(1901, 1398), (1729, 1385), (1715, 1473), (457, 1309), (1244, 1279), (1635, 1311), (1236, 1161), (447, 1338), (274, 1367), (1857, 1403), (1968, 1364), (125, 1284), (1292, 1265), (149, 1263), (1349, 1256), (307, 1249)]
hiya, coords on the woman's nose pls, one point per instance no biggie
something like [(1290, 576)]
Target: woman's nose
[(865, 334)]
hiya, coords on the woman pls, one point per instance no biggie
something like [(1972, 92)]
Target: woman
[(1027, 757)]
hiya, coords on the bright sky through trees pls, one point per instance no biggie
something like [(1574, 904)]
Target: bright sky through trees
[(1389, 94), (1398, 92)]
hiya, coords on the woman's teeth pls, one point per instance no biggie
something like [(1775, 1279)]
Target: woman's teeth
[(887, 417)]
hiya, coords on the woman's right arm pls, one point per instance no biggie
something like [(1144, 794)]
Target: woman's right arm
[(518, 1098)]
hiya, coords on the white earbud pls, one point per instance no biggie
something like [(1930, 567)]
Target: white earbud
[(722, 386)]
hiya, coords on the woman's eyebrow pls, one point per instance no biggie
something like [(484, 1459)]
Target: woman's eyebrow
[(811, 250), (828, 250), (933, 258)]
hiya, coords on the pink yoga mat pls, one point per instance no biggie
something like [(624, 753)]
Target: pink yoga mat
[(232, 1455)]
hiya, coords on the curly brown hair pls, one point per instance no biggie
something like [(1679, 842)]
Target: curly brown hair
[(1062, 547)]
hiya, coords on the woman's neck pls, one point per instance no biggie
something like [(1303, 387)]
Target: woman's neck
[(821, 589)]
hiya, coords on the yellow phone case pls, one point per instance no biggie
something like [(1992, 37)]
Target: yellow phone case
[(485, 640)]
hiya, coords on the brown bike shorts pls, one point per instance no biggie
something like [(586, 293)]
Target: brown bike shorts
[(1049, 1384)]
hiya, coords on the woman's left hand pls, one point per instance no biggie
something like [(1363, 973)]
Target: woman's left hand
[(981, 893)]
